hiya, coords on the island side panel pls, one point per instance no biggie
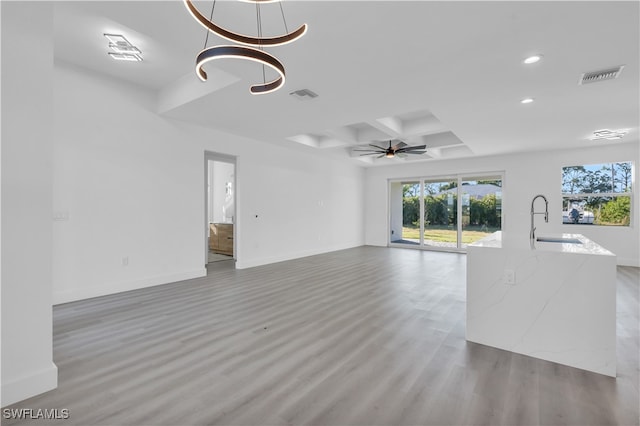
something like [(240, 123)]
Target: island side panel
[(562, 307)]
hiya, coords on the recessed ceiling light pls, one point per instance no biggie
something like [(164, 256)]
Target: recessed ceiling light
[(609, 134), (125, 57), (526, 101), (532, 59)]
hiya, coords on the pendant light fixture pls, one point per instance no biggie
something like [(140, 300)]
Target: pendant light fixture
[(244, 52), (251, 49)]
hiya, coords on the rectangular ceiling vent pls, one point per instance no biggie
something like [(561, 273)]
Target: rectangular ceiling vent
[(304, 94), (596, 76)]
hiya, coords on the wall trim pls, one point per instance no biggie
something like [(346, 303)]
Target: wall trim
[(119, 287), (292, 256), (31, 385)]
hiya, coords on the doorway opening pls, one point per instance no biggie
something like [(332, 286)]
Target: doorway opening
[(220, 204)]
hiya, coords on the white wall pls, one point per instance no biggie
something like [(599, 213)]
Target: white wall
[(27, 63), (126, 179), (292, 206), (525, 176), (135, 190)]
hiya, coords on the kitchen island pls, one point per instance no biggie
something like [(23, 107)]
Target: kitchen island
[(555, 301)]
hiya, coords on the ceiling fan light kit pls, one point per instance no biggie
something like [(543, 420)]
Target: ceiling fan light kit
[(251, 49), (400, 149)]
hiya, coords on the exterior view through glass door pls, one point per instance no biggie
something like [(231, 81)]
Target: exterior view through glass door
[(481, 208), (444, 213), (440, 213), (405, 223)]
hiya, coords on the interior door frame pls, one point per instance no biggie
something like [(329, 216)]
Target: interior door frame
[(223, 158)]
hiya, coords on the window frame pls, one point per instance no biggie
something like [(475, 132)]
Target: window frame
[(612, 195)]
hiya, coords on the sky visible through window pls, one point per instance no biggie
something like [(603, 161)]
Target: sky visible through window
[(597, 178)]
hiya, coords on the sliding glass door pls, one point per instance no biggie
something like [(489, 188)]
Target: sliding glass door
[(440, 201), (405, 213), (481, 208), (445, 213)]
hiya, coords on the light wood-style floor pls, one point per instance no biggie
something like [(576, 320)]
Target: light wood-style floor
[(366, 336)]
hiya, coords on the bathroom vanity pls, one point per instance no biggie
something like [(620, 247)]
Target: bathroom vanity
[(221, 238), (555, 300)]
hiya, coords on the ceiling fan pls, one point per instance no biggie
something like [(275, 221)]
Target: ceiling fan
[(400, 149)]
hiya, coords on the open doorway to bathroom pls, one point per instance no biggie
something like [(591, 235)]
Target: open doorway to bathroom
[(220, 207)]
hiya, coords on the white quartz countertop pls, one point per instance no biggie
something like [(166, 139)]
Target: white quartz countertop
[(587, 246)]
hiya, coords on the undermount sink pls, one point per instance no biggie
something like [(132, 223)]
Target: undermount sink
[(559, 240)]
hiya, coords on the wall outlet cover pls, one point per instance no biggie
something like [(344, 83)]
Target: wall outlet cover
[(509, 277)]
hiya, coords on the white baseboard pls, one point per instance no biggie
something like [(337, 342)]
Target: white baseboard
[(628, 261), (118, 287), (30, 385), (240, 264)]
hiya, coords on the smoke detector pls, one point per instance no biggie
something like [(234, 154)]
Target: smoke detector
[(602, 75), (304, 94), (608, 134)]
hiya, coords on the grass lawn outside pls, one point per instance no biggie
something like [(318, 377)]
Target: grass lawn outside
[(469, 234)]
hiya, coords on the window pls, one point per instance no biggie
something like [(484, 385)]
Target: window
[(597, 194)]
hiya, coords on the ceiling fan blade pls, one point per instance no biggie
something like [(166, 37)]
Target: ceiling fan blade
[(369, 153), (380, 156), (379, 147), (400, 144), (412, 148), (368, 150)]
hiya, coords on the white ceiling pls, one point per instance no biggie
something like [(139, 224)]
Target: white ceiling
[(447, 74)]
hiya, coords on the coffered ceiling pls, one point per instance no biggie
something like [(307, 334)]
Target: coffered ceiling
[(446, 74)]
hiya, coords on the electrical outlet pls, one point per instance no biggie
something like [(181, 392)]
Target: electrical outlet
[(509, 277), (60, 215), (125, 261)]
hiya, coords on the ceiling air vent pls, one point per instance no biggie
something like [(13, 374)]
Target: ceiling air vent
[(304, 94), (596, 76)]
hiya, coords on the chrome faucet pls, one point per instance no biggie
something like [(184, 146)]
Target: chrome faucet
[(532, 233)]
